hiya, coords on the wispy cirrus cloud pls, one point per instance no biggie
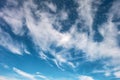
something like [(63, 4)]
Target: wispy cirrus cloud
[(29, 76), (24, 74), (11, 44), (40, 24), (9, 15), (7, 42), (51, 6)]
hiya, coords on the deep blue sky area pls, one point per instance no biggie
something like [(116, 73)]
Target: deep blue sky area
[(59, 40)]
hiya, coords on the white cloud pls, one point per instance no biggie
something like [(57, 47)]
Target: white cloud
[(41, 30), (39, 75), (9, 15), (106, 73), (60, 58), (86, 12), (7, 42), (63, 15), (97, 50), (108, 47), (110, 33), (83, 77), (24, 74), (26, 51), (44, 35), (42, 77), (114, 12), (117, 74), (29, 76), (43, 56), (51, 6)]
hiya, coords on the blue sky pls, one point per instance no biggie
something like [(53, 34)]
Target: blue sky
[(59, 39)]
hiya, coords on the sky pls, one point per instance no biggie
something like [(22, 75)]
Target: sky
[(59, 40)]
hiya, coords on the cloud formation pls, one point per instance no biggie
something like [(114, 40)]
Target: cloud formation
[(41, 29), (7, 42), (29, 76), (24, 74)]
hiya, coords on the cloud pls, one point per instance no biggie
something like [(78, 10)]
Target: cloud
[(43, 33), (110, 33), (42, 77), (117, 74), (9, 15), (108, 48), (114, 12), (7, 42), (40, 24), (11, 44), (29, 76), (4, 65), (24, 74), (85, 11), (106, 73), (41, 30), (63, 15), (26, 51), (83, 77), (51, 6)]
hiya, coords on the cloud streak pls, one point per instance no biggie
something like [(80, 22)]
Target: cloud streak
[(24, 74), (28, 75)]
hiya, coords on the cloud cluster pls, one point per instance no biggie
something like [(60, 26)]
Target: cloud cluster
[(40, 24), (13, 16)]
